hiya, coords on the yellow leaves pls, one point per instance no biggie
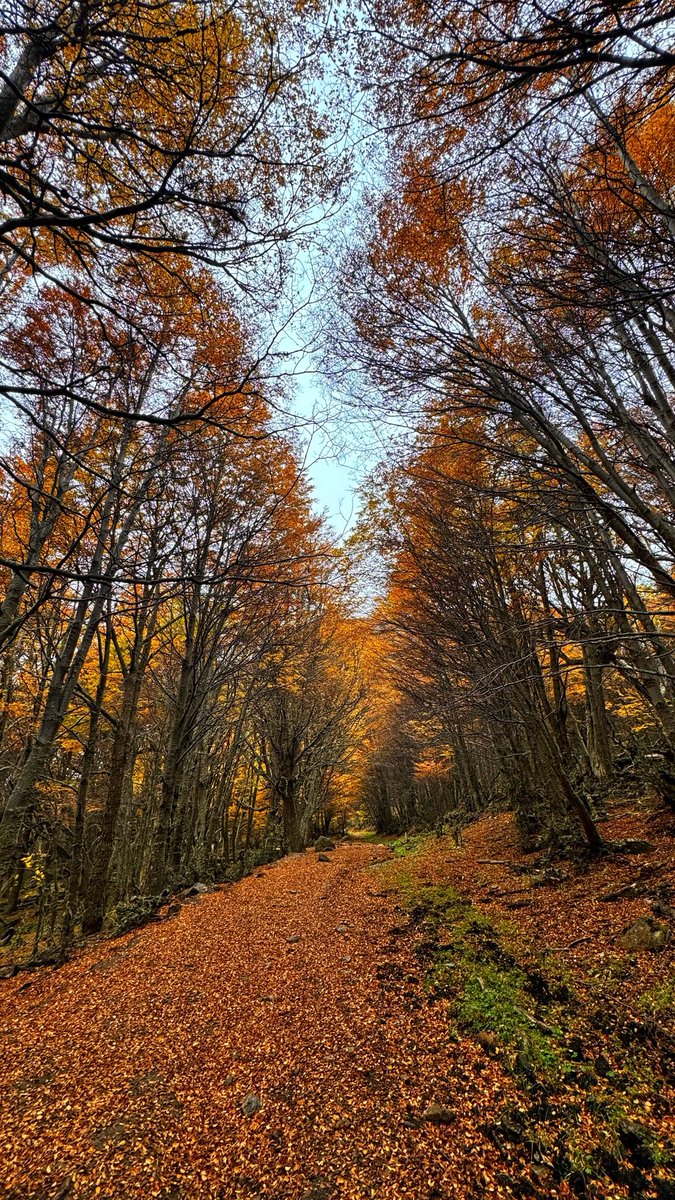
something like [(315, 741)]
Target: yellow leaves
[(651, 142), (434, 763), (36, 863)]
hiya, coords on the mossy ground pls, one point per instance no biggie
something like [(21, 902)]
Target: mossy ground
[(587, 1071)]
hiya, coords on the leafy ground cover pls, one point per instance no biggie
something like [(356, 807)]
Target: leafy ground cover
[(375, 1026), (528, 956)]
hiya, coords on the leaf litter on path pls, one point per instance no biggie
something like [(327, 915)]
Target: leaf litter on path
[(172, 1073)]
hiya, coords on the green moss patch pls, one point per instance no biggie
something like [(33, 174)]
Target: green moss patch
[(590, 1075)]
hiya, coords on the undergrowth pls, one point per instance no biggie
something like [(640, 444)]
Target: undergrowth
[(567, 1047), (468, 961)]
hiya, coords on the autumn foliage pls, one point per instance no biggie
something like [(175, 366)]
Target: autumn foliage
[(509, 305), (187, 680)]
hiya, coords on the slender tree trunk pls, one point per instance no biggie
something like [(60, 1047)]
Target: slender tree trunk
[(599, 736), (95, 902), (88, 761), (293, 839)]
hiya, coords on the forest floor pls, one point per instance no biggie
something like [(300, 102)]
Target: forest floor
[(407, 1020)]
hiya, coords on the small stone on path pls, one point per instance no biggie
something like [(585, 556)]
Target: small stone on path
[(197, 889), (644, 934), (324, 843), (438, 1114)]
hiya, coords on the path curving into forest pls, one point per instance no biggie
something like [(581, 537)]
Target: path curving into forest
[(124, 1072)]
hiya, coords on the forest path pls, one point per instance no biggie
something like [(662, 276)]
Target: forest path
[(125, 1071)]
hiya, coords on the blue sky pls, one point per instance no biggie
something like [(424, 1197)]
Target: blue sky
[(334, 466)]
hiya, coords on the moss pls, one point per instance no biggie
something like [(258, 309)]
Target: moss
[(546, 1025), (659, 999), (613, 969), (469, 962), (409, 844)]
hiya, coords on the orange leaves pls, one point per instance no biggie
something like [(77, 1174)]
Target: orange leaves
[(651, 142), (147, 1046), (422, 233)]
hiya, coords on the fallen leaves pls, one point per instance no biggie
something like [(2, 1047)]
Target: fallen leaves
[(202, 1060), (340, 1066)]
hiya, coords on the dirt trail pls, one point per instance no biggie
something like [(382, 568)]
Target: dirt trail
[(124, 1072)]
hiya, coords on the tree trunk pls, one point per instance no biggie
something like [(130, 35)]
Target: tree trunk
[(86, 770), (599, 744)]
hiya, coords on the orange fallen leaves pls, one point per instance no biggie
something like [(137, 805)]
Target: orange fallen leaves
[(115, 1065), (125, 1071)]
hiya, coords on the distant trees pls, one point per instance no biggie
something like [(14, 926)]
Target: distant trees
[(530, 667), (307, 714)]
